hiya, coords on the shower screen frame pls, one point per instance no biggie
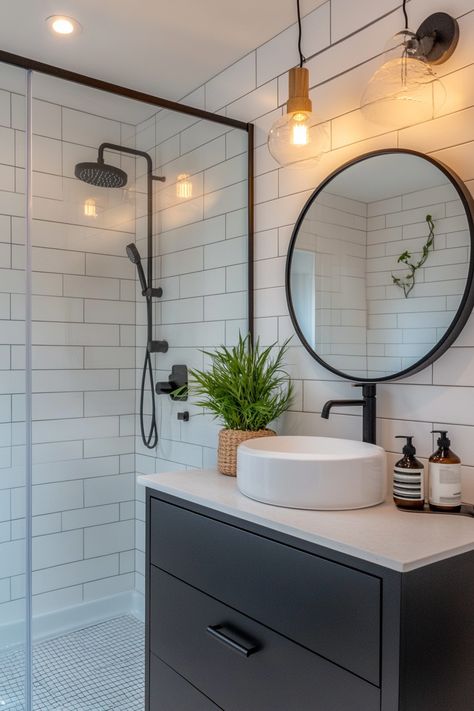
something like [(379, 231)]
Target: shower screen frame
[(51, 70), (31, 66)]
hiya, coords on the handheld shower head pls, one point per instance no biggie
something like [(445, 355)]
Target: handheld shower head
[(134, 255)]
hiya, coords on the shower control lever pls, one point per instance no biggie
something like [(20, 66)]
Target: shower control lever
[(178, 378), (157, 346)]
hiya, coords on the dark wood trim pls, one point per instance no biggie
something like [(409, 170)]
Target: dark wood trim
[(67, 75)]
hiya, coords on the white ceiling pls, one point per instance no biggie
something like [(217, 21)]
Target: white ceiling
[(164, 48)]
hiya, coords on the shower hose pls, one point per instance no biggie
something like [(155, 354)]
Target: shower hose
[(150, 439)]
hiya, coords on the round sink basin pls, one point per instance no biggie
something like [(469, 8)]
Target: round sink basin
[(312, 472)]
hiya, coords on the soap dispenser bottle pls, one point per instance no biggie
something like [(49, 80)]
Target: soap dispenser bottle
[(445, 476), (408, 478)]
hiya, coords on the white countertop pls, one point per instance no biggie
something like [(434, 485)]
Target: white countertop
[(382, 534)]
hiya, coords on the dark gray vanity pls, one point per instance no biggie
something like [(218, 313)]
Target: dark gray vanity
[(245, 617)]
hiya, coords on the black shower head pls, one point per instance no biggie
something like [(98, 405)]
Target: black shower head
[(134, 255), (101, 174)]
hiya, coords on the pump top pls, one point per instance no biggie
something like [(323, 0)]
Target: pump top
[(409, 448), (443, 441)]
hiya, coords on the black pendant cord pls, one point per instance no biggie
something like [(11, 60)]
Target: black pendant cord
[(405, 14), (302, 57)]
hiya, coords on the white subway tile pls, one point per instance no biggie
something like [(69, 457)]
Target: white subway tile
[(106, 446), (109, 586), (109, 490), (108, 538), (232, 83), (91, 287), (57, 549), (50, 381), (76, 573), (223, 254), (225, 306), (75, 428), (112, 402), (97, 311)]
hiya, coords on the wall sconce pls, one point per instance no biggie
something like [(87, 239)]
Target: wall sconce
[(405, 89), (90, 207), (298, 135), (184, 187)]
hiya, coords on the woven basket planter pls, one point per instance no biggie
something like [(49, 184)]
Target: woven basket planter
[(229, 440)]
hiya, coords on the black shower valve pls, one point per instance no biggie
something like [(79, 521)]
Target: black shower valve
[(178, 378), (157, 346)]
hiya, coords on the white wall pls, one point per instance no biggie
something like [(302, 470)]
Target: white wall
[(255, 89)]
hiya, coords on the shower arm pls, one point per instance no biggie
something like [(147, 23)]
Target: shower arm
[(150, 291)]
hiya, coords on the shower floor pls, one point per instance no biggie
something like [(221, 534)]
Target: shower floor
[(98, 668)]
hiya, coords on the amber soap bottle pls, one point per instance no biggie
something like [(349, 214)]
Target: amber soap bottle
[(408, 478), (445, 476)]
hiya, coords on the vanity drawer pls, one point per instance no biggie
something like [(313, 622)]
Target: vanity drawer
[(169, 691), (329, 608), (278, 675)]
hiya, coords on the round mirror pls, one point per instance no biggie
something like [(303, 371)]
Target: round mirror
[(379, 277)]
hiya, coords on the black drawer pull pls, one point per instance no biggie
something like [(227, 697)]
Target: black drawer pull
[(233, 639)]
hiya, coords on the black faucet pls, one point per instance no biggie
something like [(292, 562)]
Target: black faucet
[(369, 410)]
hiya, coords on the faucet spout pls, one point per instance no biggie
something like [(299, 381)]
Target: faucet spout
[(369, 414), (327, 407)]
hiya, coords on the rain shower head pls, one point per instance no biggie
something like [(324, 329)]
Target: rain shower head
[(134, 255), (101, 174)]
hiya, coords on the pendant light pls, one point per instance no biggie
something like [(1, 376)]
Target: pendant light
[(298, 137), (405, 90)]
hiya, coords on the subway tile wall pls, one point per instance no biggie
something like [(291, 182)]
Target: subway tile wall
[(83, 362), (200, 258), (348, 38)]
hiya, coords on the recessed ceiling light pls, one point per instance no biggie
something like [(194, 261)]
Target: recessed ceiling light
[(62, 25)]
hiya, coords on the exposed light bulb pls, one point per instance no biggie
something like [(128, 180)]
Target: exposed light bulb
[(299, 132), (298, 137), (90, 207), (63, 25), (184, 187)]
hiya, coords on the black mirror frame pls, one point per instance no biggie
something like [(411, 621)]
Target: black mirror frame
[(467, 301)]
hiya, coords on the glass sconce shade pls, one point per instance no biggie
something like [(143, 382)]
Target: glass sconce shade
[(404, 90), (298, 137), (184, 186), (90, 207)]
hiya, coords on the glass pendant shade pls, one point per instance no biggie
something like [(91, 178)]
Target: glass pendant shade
[(298, 137), (404, 90)]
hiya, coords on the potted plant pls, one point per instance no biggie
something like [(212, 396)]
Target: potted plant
[(246, 388)]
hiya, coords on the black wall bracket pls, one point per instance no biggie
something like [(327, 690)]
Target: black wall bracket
[(157, 346), (178, 378)]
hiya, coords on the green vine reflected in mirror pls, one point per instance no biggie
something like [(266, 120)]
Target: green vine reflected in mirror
[(407, 282)]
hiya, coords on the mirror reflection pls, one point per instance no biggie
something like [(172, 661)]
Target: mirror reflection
[(379, 265)]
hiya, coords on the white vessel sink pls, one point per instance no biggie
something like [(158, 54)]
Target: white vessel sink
[(312, 472)]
